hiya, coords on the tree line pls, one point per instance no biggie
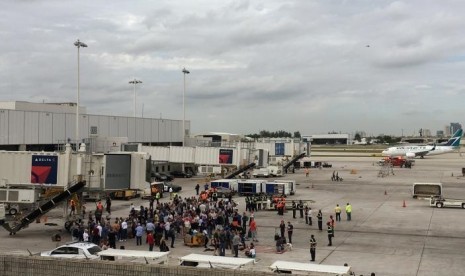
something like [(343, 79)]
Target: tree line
[(275, 134)]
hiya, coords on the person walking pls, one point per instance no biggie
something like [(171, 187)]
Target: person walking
[(294, 209), (245, 218), (320, 220), (338, 210), (150, 240), (108, 205), (197, 187), (253, 229), (301, 208), (290, 229), (307, 172), (312, 247), (330, 234), (349, 211), (235, 242), (309, 214), (282, 228), (139, 232)]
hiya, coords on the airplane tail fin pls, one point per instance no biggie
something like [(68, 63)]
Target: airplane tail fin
[(454, 141)]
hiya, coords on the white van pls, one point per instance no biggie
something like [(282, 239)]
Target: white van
[(309, 269), (209, 261)]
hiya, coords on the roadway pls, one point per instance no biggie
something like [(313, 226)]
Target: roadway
[(383, 237)]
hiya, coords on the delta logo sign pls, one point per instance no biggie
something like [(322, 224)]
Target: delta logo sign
[(44, 169)]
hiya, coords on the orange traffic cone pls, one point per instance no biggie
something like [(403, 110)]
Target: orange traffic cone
[(404, 205)]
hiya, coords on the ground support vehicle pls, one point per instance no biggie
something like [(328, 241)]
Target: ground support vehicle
[(426, 189), (151, 192), (195, 240), (124, 194), (439, 202)]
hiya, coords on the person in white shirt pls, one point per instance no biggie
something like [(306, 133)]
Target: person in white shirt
[(124, 230), (85, 235), (309, 215)]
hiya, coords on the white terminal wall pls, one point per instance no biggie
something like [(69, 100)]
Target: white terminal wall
[(40, 127)]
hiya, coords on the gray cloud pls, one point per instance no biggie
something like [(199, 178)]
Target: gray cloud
[(293, 65)]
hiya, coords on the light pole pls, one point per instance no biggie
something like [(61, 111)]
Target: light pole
[(135, 82), (78, 44), (184, 71)]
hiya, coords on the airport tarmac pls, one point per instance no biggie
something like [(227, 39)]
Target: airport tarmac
[(383, 237)]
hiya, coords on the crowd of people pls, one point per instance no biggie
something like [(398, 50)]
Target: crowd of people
[(159, 224)]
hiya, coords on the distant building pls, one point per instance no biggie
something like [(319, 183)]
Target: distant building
[(327, 139), (447, 131), (440, 133), (454, 127)]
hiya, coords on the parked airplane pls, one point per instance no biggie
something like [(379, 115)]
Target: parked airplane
[(422, 150)]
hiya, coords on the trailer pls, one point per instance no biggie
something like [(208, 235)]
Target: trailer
[(225, 183), (309, 269), (250, 187), (439, 202), (426, 190)]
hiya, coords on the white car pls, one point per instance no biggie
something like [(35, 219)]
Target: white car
[(76, 250)]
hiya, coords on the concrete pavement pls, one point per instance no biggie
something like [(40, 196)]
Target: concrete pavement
[(383, 237)]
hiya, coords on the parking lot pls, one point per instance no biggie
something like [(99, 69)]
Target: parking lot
[(383, 237)]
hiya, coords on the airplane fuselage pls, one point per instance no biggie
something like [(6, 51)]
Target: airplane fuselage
[(420, 150)]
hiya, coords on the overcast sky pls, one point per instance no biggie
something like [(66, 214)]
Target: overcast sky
[(308, 66)]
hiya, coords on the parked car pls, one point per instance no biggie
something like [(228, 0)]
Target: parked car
[(162, 177), (167, 186), (76, 250), (181, 174)]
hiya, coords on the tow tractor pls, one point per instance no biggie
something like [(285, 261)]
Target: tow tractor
[(440, 202)]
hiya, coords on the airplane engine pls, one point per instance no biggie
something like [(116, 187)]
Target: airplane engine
[(410, 154)]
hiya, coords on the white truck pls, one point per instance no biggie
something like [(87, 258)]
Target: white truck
[(439, 202), (261, 172)]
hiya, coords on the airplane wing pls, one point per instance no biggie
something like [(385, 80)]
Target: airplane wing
[(425, 152)]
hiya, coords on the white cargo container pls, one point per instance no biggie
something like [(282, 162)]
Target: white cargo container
[(225, 183), (250, 187), (291, 185)]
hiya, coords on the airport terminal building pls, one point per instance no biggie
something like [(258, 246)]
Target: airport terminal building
[(44, 126)]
